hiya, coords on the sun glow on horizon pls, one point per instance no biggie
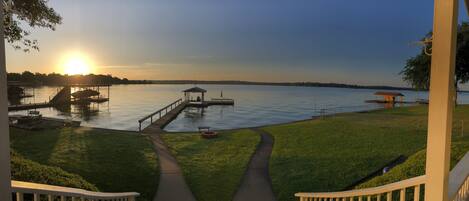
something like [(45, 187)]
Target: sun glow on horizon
[(76, 64)]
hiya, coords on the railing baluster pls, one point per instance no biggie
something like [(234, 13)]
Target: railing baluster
[(417, 193), (62, 198), (19, 197), (360, 198), (49, 198), (36, 197), (369, 198), (402, 195), (378, 197), (389, 196)]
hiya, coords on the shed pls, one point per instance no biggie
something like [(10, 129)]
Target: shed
[(390, 97)]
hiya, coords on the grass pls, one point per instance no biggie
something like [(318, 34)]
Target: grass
[(213, 168), (415, 166), (30, 171), (113, 161), (331, 154)]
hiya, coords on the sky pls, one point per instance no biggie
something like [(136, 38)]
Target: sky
[(355, 42)]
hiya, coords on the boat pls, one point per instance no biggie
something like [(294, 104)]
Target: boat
[(85, 94)]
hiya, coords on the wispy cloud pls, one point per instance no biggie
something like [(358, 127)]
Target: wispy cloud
[(146, 65), (119, 67)]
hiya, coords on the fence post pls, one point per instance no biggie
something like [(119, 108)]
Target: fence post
[(441, 99), (5, 180)]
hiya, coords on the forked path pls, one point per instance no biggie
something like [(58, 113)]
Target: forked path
[(172, 186), (256, 184)]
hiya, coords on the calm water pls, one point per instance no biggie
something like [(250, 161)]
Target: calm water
[(254, 105)]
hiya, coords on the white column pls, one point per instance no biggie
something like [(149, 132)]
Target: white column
[(5, 182), (441, 100)]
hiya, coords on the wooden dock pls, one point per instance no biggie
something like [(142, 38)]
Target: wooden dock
[(29, 106), (161, 118), (49, 104), (214, 101)]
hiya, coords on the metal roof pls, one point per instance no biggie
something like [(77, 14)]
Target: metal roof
[(195, 90), (388, 93)]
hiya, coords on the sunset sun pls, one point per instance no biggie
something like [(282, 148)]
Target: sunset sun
[(77, 64)]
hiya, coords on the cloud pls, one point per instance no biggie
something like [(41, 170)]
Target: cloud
[(119, 67)]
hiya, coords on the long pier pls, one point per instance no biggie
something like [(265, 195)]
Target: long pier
[(29, 106), (161, 118)]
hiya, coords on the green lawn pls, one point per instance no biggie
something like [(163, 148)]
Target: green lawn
[(213, 168), (333, 153), (113, 161)]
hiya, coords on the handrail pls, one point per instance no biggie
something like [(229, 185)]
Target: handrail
[(150, 116), (458, 187), (413, 182), (36, 190)]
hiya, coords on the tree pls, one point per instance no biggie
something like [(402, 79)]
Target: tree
[(417, 69), (22, 15)]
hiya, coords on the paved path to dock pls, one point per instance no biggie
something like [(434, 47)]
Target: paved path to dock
[(256, 184), (172, 186)]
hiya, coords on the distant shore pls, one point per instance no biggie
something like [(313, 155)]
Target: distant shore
[(301, 84)]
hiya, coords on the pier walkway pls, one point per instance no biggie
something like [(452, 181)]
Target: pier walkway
[(162, 117)]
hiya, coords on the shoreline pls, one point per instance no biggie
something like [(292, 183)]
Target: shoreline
[(313, 118)]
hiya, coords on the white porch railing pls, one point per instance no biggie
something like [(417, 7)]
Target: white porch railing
[(39, 192), (458, 188)]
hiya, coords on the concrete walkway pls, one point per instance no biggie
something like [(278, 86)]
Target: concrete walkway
[(256, 184), (172, 186)]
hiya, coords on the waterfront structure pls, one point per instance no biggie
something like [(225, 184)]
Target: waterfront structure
[(390, 97), (189, 92), (164, 116)]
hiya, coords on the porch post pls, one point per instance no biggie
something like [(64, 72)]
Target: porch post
[(5, 180), (442, 93)]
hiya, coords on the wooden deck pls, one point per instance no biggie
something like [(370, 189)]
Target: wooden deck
[(167, 114)]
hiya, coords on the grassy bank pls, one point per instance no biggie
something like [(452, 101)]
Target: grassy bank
[(213, 168), (26, 170), (415, 166), (333, 153), (113, 161)]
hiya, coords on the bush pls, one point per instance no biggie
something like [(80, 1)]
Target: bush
[(415, 166), (29, 171)]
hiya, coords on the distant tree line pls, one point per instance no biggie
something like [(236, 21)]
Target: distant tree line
[(301, 84), (58, 79)]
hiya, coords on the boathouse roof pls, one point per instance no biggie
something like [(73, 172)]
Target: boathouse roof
[(195, 90), (388, 93)]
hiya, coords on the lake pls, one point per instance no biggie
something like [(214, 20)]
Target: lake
[(255, 105)]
